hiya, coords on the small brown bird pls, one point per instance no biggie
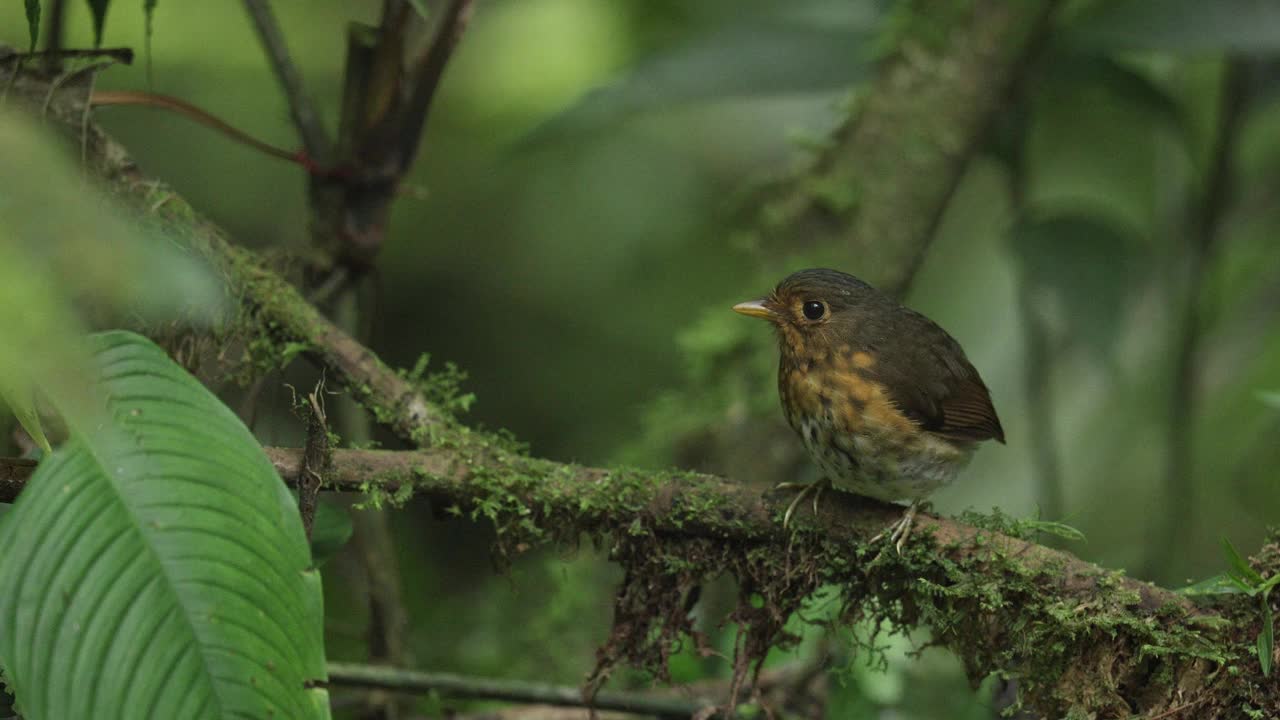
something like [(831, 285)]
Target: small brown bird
[(884, 400)]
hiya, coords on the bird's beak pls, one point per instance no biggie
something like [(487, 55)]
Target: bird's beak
[(755, 308)]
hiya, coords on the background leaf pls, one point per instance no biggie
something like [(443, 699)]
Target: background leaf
[(32, 8), (1250, 26), (23, 404), (330, 530), (1266, 639), (1087, 264), (141, 573), (1217, 585), (99, 10), (1239, 565), (778, 54)]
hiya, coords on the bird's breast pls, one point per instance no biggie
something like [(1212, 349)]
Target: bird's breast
[(856, 434)]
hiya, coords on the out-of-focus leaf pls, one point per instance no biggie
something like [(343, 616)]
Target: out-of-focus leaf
[(1089, 266), (1052, 527), (99, 10), (23, 404), (156, 543), (77, 239), (1237, 26), (1124, 83), (1103, 162), (33, 22), (1271, 399), (420, 7), (1266, 639), (1222, 584), (60, 241), (746, 60), (330, 530), (1239, 566)]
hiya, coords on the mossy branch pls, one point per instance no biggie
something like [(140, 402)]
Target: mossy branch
[(1078, 636), (1082, 640)]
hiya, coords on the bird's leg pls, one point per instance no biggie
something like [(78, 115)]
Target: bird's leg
[(816, 489), (900, 530)]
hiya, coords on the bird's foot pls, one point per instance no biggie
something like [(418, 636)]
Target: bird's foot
[(900, 530), (816, 489)]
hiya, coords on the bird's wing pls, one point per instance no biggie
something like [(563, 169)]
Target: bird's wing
[(931, 381)]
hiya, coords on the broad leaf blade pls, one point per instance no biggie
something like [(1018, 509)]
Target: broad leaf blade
[(1217, 585), (1239, 565), (159, 563)]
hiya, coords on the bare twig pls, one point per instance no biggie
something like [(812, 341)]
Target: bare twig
[(305, 117), (460, 686)]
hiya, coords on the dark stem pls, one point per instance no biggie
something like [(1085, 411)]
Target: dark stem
[(388, 618), (427, 73), (305, 117), (1040, 404), (461, 686), (1178, 521), (1037, 341)]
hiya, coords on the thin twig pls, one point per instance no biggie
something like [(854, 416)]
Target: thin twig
[(426, 76), (460, 686), (305, 117)]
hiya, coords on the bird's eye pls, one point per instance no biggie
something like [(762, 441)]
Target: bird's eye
[(814, 310)]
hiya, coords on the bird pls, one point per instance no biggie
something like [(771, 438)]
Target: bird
[(884, 400)]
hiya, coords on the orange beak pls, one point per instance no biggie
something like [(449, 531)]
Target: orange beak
[(756, 308)]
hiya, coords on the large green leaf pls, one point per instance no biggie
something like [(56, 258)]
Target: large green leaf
[(156, 564)]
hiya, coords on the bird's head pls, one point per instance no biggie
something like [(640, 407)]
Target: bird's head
[(812, 309)]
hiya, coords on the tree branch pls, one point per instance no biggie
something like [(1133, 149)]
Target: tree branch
[(1001, 602), (460, 686), (303, 111)]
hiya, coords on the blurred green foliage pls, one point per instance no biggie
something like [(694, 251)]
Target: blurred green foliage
[(573, 251)]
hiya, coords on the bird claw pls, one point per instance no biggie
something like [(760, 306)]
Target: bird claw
[(816, 489), (900, 530)]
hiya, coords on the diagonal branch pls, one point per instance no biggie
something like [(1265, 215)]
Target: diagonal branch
[(426, 75), (303, 111)]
